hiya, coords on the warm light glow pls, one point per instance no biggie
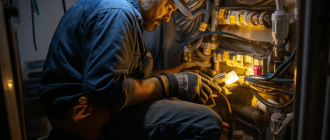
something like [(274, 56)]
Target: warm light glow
[(10, 85), (231, 77)]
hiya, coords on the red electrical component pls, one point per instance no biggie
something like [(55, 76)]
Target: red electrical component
[(257, 70)]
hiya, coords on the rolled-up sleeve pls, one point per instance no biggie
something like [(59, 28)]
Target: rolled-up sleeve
[(109, 45)]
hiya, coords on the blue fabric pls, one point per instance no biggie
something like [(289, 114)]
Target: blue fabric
[(164, 120), (157, 120), (95, 52)]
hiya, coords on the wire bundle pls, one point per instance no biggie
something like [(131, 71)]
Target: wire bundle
[(279, 70), (270, 85), (219, 33), (188, 28)]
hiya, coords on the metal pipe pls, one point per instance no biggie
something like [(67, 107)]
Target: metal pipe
[(305, 69), (213, 29), (279, 55), (326, 121), (269, 61), (279, 5), (313, 80), (8, 81)]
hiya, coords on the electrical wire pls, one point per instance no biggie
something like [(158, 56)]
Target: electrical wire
[(267, 103), (187, 24), (224, 43), (64, 6), (264, 92), (269, 84), (279, 70), (188, 28), (33, 27), (260, 134), (269, 60), (231, 126), (261, 4), (248, 124), (271, 87), (210, 33)]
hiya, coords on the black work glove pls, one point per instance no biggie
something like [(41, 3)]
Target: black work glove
[(191, 87)]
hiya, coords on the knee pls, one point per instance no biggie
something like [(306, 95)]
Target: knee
[(203, 120), (212, 122), (200, 115)]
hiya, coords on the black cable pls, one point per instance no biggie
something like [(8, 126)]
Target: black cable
[(283, 67), (269, 104), (248, 124), (231, 120), (33, 28), (264, 101), (64, 6), (272, 88), (289, 104), (209, 33), (260, 134), (230, 46)]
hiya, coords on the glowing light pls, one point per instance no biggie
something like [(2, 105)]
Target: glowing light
[(231, 77), (10, 83)]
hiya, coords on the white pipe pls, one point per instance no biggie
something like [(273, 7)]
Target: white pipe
[(279, 5)]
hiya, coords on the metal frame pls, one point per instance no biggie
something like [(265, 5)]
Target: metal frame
[(11, 75), (312, 80)]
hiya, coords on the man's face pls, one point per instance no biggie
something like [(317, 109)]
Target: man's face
[(155, 12)]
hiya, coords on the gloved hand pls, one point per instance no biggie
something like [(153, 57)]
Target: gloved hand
[(191, 87)]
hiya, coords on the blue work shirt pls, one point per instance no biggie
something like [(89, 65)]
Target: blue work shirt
[(95, 52)]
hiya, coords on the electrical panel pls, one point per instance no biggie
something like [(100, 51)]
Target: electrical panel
[(247, 49)]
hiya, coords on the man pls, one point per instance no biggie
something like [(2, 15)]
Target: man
[(97, 77)]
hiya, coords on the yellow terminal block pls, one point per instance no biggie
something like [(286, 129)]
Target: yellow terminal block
[(232, 19), (202, 26), (249, 59), (241, 18), (256, 62), (225, 56), (249, 71), (221, 13), (239, 58)]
